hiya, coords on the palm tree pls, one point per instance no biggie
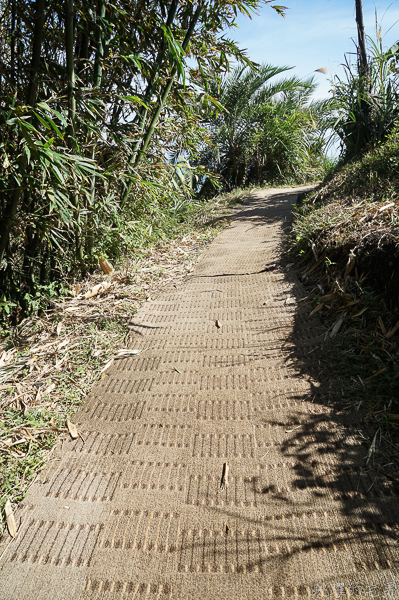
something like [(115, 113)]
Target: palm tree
[(268, 129)]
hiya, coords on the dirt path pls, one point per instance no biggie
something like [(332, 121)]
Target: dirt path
[(229, 373)]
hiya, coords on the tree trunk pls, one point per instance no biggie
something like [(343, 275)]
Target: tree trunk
[(97, 77), (363, 70), (362, 54), (13, 203), (69, 52), (98, 63), (143, 112), (36, 51), (13, 43), (69, 35)]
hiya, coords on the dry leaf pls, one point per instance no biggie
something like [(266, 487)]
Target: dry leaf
[(315, 265), (71, 309), (337, 325), (100, 287), (59, 327), (107, 366), (224, 483), (392, 331), (350, 264), (361, 312), (375, 374), (372, 447), (124, 352), (64, 343), (107, 268), (327, 296), (93, 292), (12, 526), (315, 310), (293, 429), (59, 363), (390, 205), (271, 267), (382, 326), (48, 390), (72, 430), (218, 325)]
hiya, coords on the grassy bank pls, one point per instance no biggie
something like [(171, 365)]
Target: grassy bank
[(345, 242)]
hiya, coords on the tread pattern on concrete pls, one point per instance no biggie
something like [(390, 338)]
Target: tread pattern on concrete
[(136, 511)]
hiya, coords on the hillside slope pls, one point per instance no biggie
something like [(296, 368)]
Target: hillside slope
[(345, 244)]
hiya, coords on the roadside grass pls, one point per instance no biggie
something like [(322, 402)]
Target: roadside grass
[(49, 363), (355, 199), (345, 244)]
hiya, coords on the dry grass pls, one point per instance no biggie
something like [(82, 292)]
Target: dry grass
[(345, 241)]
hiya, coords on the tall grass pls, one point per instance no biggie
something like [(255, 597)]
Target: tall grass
[(366, 105)]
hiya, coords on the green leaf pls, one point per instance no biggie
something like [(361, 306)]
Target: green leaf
[(28, 139), (57, 173), (48, 143), (42, 121), (45, 106), (134, 99)]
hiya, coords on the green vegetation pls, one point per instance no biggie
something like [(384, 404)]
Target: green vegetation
[(270, 131), (356, 199), (366, 103), (94, 100), (117, 124)]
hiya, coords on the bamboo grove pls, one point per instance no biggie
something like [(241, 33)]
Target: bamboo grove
[(94, 98)]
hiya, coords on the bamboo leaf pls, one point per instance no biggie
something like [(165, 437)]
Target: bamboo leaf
[(28, 139), (73, 432), (11, 525), (42, 121)]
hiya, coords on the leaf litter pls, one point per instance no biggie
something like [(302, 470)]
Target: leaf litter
[(48, 364), (354, 231)]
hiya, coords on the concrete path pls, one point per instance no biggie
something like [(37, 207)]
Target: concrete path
[(230, 373)]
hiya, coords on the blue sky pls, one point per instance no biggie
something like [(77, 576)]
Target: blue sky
[(314, 34)]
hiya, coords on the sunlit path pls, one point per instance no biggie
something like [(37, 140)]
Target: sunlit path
[(229, 373)]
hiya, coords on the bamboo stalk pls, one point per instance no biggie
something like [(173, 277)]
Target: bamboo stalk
[(143, 112), (69, 52), (13, 203), (36, 51), (97, 77), (150, 129)]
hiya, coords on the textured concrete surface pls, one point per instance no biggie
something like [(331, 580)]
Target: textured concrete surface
[(136, 510)]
